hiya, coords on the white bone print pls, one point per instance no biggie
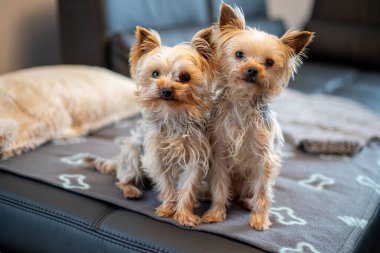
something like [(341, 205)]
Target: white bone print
[(288, 154), (302, 247), (74, 181), (120, 140), (353, 221), (334, 157), (74, 159), (289, 218), (366, 181), (316, 181)]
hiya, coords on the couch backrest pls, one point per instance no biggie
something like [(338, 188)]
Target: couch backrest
[(122, 15), (366, 12), (251, 8), (90, 29)]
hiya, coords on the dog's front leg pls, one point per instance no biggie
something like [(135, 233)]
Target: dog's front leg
[(261, 185), (220, 186), (187, 193), (166, 186), (160, 174)]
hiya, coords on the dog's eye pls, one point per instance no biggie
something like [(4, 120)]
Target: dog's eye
[(184, 77), (269, 62), (239, 54), (155, 74)]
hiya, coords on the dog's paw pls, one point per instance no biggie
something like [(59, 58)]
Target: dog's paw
[(187, 219), (260, 222), (130, 191), (214, 216), (165, 211)]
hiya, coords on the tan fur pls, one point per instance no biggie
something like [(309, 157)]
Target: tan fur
[(244, 133), (170, 146)]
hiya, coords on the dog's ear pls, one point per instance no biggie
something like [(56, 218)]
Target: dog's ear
[(297, 41), (202, 42), (205, 34), (146, 41), (230, 18), (202, 47)]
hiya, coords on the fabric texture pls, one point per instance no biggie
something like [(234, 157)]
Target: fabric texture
[(322, 203), (325, 124), (45, 103)]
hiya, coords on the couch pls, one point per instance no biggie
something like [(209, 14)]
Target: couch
[(42, 218)]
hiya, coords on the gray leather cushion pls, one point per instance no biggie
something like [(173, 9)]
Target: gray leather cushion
[(365, 89), (322, 78), (251, 8), (121, 16), (273, 27), (338, 80)]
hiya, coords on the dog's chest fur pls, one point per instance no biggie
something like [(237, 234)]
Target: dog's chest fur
[(237, 127), (178, 145)]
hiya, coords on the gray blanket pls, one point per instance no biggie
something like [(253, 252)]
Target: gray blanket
[(322, 203), (325, 124)]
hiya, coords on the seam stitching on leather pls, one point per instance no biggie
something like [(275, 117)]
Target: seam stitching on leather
[(141, 243), (73, 225), (43, 209), (101, 218), (81, 222)]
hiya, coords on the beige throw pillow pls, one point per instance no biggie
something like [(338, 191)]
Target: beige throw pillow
[(54, 102)]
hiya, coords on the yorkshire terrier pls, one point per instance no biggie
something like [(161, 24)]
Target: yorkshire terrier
[(170, 146), (252, 68)]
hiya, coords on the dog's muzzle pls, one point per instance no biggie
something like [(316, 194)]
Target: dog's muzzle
[(250, 75), (166, 93)]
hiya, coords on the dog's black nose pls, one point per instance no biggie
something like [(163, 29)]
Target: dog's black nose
[(166, 93), (251, 72)]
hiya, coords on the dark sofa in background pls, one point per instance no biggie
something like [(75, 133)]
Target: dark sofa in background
[(344, 60), (101, 33)]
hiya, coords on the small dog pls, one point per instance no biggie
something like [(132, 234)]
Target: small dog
[(170, 146), (252, 68)]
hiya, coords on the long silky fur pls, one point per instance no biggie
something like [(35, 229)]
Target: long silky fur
[(170, 146), (245, 136), (180, 143)]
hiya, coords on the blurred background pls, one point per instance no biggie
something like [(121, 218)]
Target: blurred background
[(29, 30), (343, 60), (29, 34)]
